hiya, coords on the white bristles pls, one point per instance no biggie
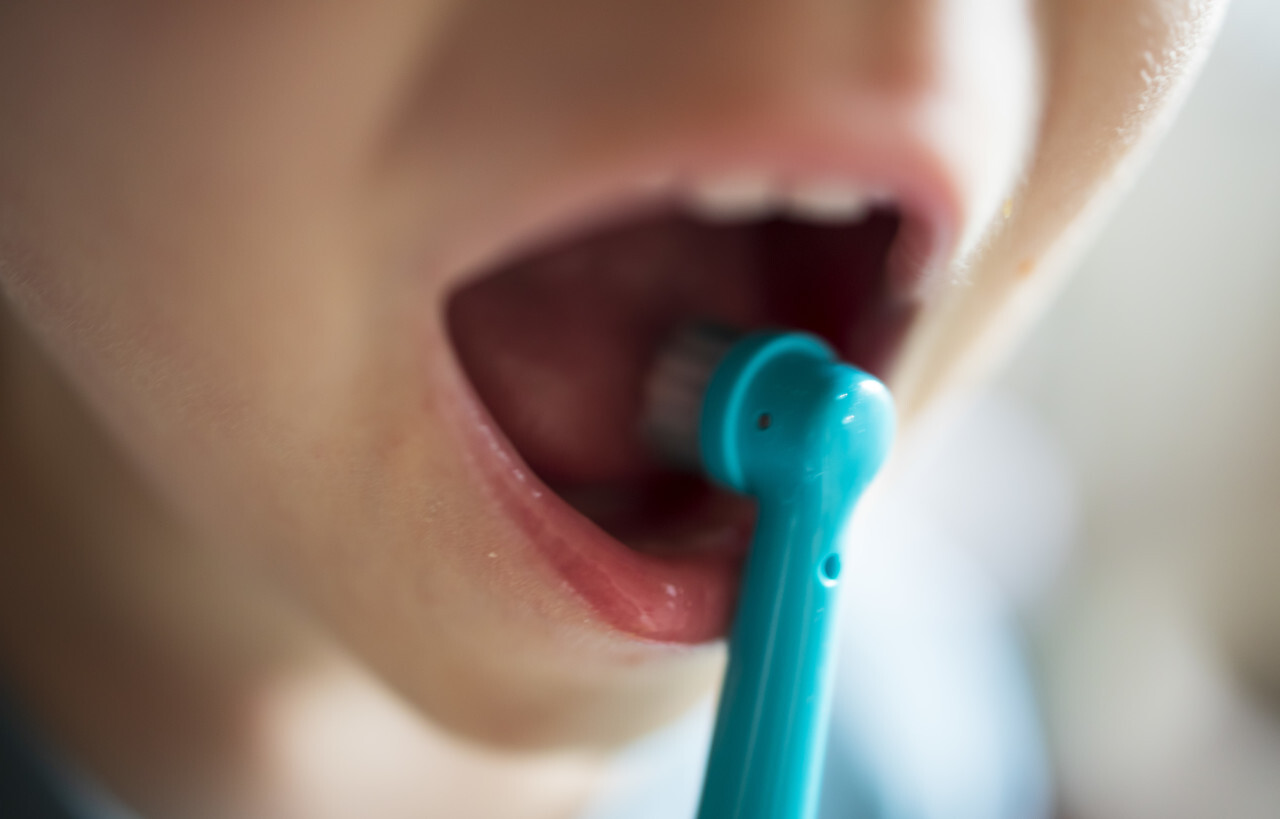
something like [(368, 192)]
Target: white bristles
[(676, 385)]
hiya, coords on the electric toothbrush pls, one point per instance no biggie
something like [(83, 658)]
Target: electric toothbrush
[(776, 416)]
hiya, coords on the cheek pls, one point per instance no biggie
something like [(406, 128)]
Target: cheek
[(1113, 75), (994, 71), (182, 220), (303, 428)]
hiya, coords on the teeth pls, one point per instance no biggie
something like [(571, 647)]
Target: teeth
[(737, 199), (733, 199), (828, 202)]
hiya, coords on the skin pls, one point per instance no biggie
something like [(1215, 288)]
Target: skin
[(227, 230)]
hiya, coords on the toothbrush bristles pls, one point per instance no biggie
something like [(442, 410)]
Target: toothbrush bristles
[(674, 391)]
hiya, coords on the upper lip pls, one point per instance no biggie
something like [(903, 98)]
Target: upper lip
[(682, 599)]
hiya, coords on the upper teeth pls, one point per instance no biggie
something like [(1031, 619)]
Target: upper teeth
[(734, 199), (744, 198)]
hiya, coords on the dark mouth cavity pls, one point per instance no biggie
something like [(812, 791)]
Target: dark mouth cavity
[(558, 345)]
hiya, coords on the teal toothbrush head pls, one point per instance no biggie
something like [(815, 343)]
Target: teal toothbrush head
[(778, 417)]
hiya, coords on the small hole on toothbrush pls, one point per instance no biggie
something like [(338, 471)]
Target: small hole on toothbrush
[(764, 421), (830, 569)]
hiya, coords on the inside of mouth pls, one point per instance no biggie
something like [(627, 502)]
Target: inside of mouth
[(558, 345)]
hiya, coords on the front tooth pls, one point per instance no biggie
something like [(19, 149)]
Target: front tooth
[(733, 199), (827, 202)]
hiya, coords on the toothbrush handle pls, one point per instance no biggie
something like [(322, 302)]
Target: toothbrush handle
[(771, 729)]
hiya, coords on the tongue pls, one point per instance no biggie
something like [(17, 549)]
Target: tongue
[(558, 345)]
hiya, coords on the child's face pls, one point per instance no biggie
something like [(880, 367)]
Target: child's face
[(258, 237)]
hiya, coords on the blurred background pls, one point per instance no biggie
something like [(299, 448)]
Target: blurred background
[(1157, 378)]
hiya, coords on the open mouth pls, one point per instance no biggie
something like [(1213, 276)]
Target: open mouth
[(558, 344)]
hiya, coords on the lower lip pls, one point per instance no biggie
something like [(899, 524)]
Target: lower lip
[(668, 599)]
